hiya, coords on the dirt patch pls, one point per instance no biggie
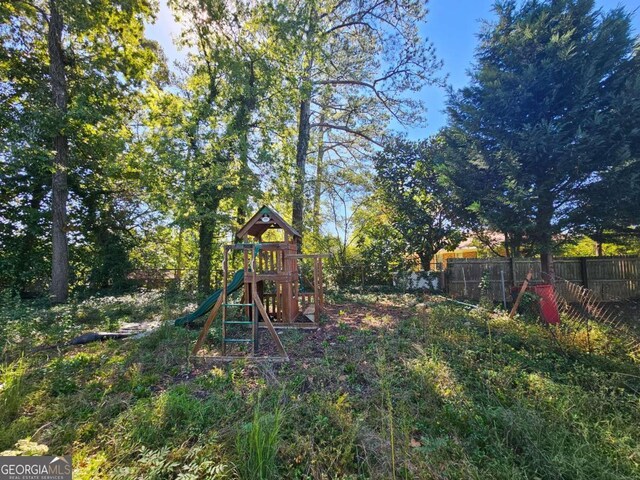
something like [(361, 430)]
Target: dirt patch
[(340, 326)]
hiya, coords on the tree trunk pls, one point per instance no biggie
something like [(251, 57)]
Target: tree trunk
[(599, 252), (59, 289), (204, 256), (546, 263), (243, 124), (515, 247), (507, 245), (304, 129), (425, 260), (544, 237), (317, 190), (512, 244), (304, 132), (180, 263), (546, 259)]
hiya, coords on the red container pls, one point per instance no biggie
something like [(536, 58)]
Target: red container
[(548, 306)]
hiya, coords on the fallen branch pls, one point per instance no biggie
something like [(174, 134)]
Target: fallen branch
[(87, 338)]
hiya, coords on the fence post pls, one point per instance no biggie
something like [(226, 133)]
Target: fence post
[(504, 293), (583, 272), (464, 280), (512, 271)]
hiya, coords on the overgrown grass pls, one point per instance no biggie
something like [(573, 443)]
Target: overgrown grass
[(383, 390), (257, 445), (12, 389)]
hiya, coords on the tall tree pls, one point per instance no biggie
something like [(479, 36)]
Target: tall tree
[(230, 85), (92, 69), (483, 200), (412, 185), (369, 56), (546, 112), (59, 289), (189, 168)]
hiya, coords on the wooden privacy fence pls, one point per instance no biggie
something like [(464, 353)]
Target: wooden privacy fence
[(609, 278)]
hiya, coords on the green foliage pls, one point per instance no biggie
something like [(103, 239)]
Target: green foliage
[(380, 247), (546, 120), (257, 445), (485, 290), (411, 183), (390, 391), (107, 65), (587, 247), (530, 306), (13, 389)]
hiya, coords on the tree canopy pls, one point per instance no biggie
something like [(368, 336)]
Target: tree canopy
[(414, 189), (546, 121), (114, 159)]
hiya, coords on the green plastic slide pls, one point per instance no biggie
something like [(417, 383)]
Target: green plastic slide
[(207, 305)]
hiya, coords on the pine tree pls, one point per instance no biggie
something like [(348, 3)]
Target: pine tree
[(547, 113)]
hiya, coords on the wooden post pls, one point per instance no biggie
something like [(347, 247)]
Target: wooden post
[(320, 284), (279, 301), (446, 274), (525, 284), (225, 260), (512, 271), (316, 306), (504, 289), (286, 290), (295, 284), (207, 326), (255, 331), (584, 272), (246, 294), (254, 308)]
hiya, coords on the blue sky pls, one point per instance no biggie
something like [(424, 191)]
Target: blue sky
[(452, 25)]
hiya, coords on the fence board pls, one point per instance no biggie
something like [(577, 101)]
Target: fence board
[(610, 278)]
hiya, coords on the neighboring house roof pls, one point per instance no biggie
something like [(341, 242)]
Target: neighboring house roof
[(257, 225), (494, 237)]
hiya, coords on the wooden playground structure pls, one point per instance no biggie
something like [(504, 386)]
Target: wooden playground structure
[(273, 291)]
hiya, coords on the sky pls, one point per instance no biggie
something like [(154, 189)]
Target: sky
[(452, 26)]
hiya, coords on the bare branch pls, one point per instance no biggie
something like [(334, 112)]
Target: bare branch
[(346, 129)]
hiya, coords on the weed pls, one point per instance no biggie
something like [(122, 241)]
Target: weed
[(387, 406), (257, 445), (25, 447), (12, 389)]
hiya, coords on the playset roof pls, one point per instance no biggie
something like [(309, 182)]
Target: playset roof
[(265, 219)]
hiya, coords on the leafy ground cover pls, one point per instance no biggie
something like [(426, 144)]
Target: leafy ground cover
[(386, 388)]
